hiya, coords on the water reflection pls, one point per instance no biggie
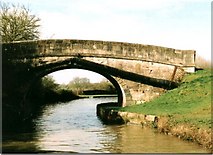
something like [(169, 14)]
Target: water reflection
[(20, 139), (134, 139), (73, 127)]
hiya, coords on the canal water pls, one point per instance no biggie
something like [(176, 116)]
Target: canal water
[(73, 127)]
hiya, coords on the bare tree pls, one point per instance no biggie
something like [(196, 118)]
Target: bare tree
[(203, 63), (16, 23)]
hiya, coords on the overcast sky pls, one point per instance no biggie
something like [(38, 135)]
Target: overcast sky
[(181, 24)]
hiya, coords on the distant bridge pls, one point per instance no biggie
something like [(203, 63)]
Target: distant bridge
[(138, 72)]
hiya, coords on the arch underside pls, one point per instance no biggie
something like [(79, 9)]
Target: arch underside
[(42, 71)]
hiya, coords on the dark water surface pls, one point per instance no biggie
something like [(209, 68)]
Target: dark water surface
[(73, 127)]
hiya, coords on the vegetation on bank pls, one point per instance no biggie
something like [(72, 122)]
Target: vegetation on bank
[(46, 91), (189, 104), (83, 86), (51, 92)]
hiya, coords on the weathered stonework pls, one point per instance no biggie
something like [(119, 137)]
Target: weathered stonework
[(46, 56), (102, 49), (137, 93)]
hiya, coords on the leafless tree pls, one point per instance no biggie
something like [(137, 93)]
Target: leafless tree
[(17, 23)]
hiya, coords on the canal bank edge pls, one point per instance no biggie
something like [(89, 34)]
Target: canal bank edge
[(109, 115)]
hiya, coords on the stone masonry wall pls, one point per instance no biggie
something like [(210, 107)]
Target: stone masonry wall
[(135, 92)]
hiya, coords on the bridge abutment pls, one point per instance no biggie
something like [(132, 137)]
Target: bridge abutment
[(138, 93)]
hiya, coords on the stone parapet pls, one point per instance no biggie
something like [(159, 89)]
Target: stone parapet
[(103, 49)]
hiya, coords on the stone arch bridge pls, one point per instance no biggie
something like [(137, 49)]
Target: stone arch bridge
[(139, 72)]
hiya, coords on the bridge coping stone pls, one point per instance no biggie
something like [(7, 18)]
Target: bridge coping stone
[(95, 48)]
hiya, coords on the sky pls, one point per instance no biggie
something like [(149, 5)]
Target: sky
[(180, 24), (65, 76)]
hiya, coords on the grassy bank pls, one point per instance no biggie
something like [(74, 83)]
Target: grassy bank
[(189, 103), (188, 106)]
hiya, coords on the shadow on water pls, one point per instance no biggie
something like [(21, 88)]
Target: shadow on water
[(19, 137), (19, 133)]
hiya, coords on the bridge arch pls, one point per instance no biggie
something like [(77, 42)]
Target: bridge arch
[(120, 92)]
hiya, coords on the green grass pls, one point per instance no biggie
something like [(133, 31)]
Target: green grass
[(189, 103)]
